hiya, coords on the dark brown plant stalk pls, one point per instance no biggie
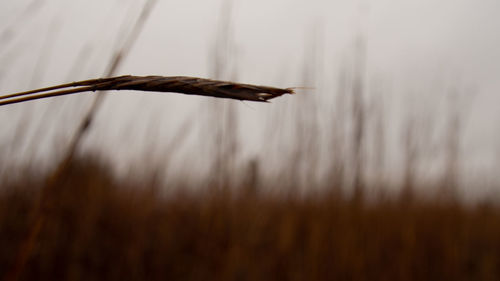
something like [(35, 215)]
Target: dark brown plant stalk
[(175, 84), (43, 204)]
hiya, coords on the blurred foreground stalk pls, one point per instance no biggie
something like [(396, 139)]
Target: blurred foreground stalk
[(40, 209)]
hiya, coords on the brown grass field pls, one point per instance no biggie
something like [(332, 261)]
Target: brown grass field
[(102, 228)]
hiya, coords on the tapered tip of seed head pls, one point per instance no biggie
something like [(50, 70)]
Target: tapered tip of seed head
[(292, 89)]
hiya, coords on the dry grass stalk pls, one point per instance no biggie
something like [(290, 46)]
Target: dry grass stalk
[(176, 84), (184, 85)]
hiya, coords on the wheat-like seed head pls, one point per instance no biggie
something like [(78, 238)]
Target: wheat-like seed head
[(175, 84)]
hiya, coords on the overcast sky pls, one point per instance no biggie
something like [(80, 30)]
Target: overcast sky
[(410, 45)]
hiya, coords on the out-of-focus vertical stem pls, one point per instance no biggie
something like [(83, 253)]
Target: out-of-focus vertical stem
[(43, 205), (452, 141), (359, 119), (225, 141), (116, 61), (338, 163), (410, 147)]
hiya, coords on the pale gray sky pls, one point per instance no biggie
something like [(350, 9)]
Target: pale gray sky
[(412, 46)]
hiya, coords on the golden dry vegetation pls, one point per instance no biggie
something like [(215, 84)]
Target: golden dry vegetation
[(101, 228)]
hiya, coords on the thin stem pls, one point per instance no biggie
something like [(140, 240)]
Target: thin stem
[(46, 95)]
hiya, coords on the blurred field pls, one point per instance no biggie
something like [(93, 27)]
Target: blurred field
[(102, 228)]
